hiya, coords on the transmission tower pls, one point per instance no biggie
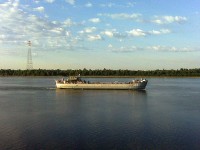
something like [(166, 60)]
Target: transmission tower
[(29, 57)]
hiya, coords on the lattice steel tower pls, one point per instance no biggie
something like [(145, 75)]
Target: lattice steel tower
[(29, 57)]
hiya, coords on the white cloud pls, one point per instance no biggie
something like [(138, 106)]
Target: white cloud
[(140, 32), (124, 5), (122, 16), (39, 9), (155, 32), (156, 48), (134, 32), (169, 19), (137, 32), (15, 3), (17, 26), (95, 20), (170, 49), (165, 31), (113, 33), (110, 46), (108, 33), (68, 23), (125, 49), (108, 5), (37, 1), (94, 37), (88, 30), (158, 32), (49, 1), (71, 2), (57, 30), (130, 4), (138, 17), (68, 33), (88, 4)]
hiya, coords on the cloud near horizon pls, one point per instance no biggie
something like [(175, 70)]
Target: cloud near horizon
[(156, 48), (66, 34), (169, 19)]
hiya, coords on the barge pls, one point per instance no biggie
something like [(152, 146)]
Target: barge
[(75, 82)]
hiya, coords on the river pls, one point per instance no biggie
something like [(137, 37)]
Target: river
[(36, 115)]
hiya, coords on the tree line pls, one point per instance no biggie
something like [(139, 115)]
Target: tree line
[(104, 72)]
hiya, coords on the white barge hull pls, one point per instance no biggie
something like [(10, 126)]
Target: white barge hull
[(123, 86)]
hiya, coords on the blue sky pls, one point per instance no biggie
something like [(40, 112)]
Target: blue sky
[(97, 34)]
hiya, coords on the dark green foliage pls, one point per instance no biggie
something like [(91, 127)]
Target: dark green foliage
[(105, 72)]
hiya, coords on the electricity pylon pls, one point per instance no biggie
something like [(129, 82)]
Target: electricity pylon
[(29, 57)]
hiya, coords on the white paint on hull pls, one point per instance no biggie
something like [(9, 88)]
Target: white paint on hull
[(111, 86)]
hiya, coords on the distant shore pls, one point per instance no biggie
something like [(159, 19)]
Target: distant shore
[(107, 76), (104, 73)]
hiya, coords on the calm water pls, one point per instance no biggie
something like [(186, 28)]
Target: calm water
[(35, 115)]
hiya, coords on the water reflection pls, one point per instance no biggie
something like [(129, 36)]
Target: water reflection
[(72, 91), (102, 116)]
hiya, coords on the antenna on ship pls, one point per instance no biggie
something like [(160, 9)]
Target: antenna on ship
[(29, 57)]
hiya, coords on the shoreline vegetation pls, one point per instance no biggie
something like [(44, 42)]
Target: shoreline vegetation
[(103, 73)]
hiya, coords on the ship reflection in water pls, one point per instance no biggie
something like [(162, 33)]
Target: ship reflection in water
[(165, 116)]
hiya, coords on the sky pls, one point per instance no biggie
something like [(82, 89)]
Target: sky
[(97, 34)]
